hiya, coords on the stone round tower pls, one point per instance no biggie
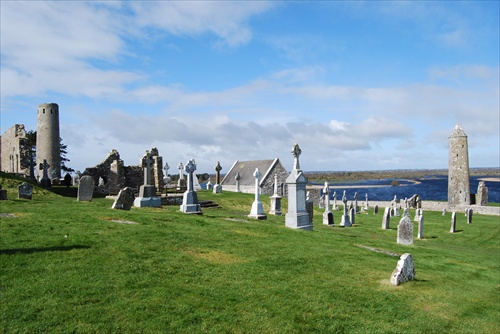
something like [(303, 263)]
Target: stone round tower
[(47, 139), (458, 168)]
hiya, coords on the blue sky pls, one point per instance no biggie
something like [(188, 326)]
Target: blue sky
[(359, 85)]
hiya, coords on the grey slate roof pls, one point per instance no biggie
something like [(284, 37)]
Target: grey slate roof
[(246, 170)]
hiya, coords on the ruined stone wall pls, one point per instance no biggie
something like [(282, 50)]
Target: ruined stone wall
[(10, 150), (267, 184)]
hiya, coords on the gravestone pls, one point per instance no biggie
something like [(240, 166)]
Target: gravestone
[(209, 185), (76, 179), (469, 216), (217, 185), (356, 208), (375, 210), (444, 212), (352, 213), (453, 222), (297, 216), (100, 183), (386, 219), (181, 183), (482, 194), (166, 178), (345, 221), (147, 192), (367, 206), (327, 215), (257, 210), (45, 181), (335, 206), (405, 231), (275, 199), (190, 203), (309, 206), (420, 220), (3, 194), (85, 188), (405, 270), (124, 200), (25, 191)]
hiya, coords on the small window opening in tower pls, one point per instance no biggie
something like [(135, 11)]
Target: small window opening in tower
[(44, 111), (51, 111)]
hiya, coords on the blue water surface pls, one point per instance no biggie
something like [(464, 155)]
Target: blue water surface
[(429, 188)]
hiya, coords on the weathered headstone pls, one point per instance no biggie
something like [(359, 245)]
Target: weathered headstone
[(405, 270), (190, 198), (217, 185), (352, 214), (166, 178), (209, 185), (420, 220), (124, 200), (275, 207), (85, 188), (3, 194), (444, 212), (297, 216), (386, 219), (327, 215), (335, 206), (257, 210), (453, 222), (25, 191), (469, 216), (309, 206), (375, 209), (147, 192), (345, 221), (482, 194), (405, 231)]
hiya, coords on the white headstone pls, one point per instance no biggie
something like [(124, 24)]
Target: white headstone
[(257, 210), (386, 219), (405, 270)]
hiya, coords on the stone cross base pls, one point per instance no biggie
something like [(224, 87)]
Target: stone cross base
[(140, 202), (257, 211), (217, 189), (328, 218), (298, 221), (191, 208), (345, 221)]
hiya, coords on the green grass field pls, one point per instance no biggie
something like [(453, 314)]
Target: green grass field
[(66, 267)]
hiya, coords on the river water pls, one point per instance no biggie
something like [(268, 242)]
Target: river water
[(429, 188)]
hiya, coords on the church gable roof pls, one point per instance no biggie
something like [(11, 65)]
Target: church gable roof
[(246, 170)]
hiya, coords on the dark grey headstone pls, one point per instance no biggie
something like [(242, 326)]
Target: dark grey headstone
[(25, 190), (124, 200), (86, 188), (375, 210), (405, 231), (3, 194)]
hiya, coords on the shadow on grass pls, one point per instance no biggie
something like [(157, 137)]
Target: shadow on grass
[(41, 249)]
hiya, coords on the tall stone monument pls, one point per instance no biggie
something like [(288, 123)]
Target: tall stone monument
[(257, 210), (181, 183), (297, 216), (327, 215), (48, 138), (45, 181), (147, 192), (458, 168), (345, 221), (190, 198), (275, 199), (217, 185)]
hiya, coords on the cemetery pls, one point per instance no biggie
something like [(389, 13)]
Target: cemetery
[(82, 263)]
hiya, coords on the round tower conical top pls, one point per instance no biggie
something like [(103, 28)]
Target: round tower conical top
[(458, 131)]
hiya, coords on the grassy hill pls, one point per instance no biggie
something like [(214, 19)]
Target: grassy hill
[(81, 267)]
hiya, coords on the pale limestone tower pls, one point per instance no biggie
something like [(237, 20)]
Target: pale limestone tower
[(458, 168), (47, 139)]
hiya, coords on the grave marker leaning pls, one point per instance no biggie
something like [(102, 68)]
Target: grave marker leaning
[(124, 200)]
